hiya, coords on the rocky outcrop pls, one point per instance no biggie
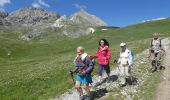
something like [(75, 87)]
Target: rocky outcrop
[(3, 15), (31, 16)]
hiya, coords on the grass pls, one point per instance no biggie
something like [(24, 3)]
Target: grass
[(39, 69), (149, 87)]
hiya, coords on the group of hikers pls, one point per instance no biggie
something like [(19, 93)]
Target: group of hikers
[(84, 65)]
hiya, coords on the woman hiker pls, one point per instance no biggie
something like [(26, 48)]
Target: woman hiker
[(83, 66), (103, 55)]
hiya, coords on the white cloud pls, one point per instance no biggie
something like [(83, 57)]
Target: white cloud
[(36, 5), (3, 2), (80, 6), (40, 4)]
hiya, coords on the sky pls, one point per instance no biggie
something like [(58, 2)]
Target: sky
[(114, 12)]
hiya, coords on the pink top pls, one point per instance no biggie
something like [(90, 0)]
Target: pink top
[(103, 54)]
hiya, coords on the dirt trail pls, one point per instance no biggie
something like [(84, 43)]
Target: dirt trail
[(163, 90)]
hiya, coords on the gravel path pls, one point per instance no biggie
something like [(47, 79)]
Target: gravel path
[(163, 90)]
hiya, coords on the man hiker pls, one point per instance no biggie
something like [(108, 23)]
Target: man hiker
[(125, 62), (83, 66), (155, 51)]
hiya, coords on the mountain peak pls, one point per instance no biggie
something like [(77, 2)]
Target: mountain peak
[(82, 11), (83, 17)]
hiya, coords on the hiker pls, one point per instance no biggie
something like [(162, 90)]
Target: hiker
[(103, 55), (83, 66), (125, 63), (155, 51)]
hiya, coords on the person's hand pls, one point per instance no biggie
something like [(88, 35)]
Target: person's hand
[(84, 72), (115, 61), (70, 72), (105, 58)]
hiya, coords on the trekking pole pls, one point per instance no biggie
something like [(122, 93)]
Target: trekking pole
[(72, 76)]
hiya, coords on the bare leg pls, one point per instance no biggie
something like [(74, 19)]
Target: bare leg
[(78, 87), (87, 89)]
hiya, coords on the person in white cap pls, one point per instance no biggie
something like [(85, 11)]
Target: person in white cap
[(125, 62)]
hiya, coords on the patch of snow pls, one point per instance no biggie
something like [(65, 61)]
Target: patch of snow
[(91, 30), (104, 29), (154, 19)]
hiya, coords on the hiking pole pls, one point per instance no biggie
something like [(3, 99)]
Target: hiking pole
[(72, 76)]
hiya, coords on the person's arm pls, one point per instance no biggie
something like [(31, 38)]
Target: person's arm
[(74, 70), (105, 48), (108, 54), (90, 65), (151, 43), (75, 66), (97, 53), (160, 43)]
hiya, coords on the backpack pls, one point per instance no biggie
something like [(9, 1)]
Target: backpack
[(92, 60), (132, 53)]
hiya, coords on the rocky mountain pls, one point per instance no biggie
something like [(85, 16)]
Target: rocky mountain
[(80, 18), (29, 16), (80, 23), (39, 21), (3, 15)]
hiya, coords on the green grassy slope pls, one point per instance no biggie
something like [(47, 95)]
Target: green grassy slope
[(39, 69)]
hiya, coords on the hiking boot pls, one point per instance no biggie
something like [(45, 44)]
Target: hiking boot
[(122, 85), (98, 83), (154, 70), (162, 68), (81, 97), (88, 98), (108, 80)]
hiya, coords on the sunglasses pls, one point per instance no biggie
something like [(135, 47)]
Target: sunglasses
[(78, 52)]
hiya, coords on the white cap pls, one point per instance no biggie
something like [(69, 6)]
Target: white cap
[(122, 44)]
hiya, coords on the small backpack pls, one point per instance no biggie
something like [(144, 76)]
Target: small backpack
[(132, 53), (92, 60)]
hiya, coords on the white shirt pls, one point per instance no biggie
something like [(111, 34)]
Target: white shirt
[(126, 57), (156, 45)]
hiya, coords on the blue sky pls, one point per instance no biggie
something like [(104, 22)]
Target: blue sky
[(113, 12)]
